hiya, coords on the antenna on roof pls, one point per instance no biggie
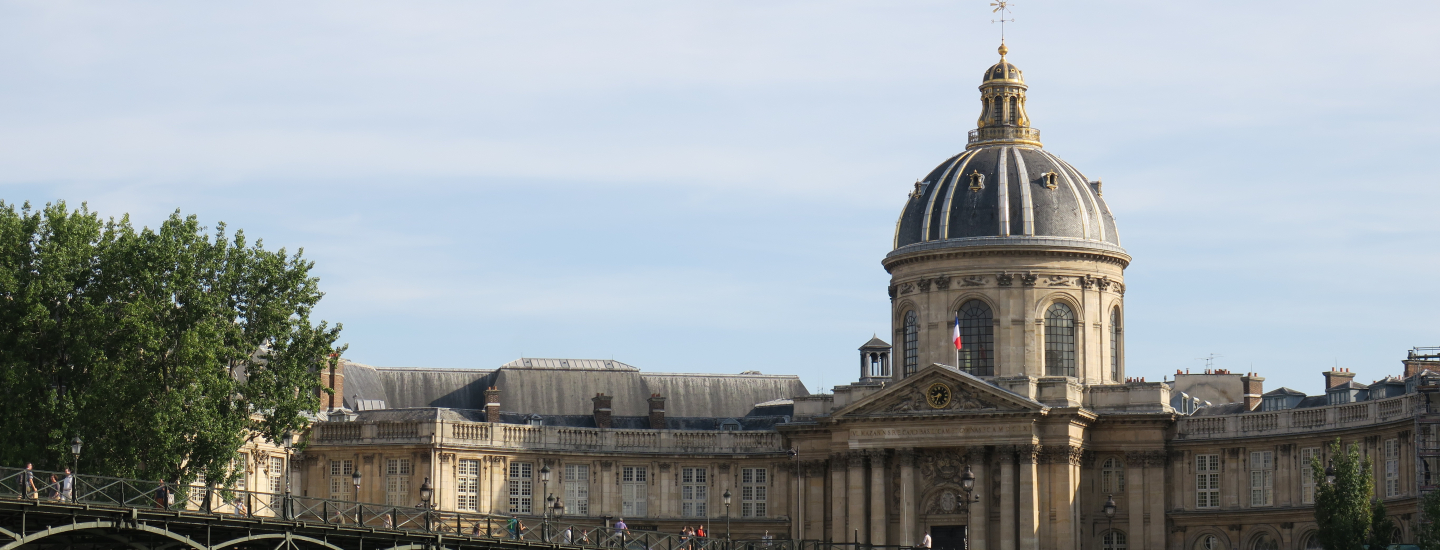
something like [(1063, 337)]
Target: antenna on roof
[(1209, 360)]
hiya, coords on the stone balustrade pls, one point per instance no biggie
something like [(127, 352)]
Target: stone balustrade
[(552, 438), (1298, 421)]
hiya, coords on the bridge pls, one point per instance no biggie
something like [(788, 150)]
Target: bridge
[(97, 512)]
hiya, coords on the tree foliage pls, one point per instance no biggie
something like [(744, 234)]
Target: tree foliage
[(1381, 526), (1428, 528), (1342, 508), (163, 349)]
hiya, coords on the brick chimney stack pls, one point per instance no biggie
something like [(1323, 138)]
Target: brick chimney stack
[(657, 412), (1252, 387), (1337, 377), (602, 410), (492, 404), (333, 378)]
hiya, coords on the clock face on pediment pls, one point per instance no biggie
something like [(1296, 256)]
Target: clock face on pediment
[(938, 396)]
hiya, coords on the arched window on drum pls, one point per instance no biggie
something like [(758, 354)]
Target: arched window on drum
[(977, 339), (1115, 346), (912, 342), (1059, 340)]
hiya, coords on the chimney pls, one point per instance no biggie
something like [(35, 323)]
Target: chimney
[(492, 404), (1252, 387), (335, 380), (1336, 377), (657, 412), (602, 410)]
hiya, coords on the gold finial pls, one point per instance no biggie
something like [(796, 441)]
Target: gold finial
[(1003, 49)]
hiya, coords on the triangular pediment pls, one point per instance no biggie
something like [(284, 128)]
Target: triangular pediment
[(940, 389)]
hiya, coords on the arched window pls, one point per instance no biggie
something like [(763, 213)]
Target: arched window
[(1263, 541), (1209, 542), (977, 339), (1112, 476), (1114, 540), (1115, 345), (1059, 340), (912, 343), (1312, 543)]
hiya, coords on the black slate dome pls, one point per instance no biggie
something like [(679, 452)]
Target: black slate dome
[(1005, 189)]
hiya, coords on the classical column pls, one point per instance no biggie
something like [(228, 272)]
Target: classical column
[(1029, 508), (855, 497), (1135, 496), (1008, 529), (907, 497), (838, 526), (1063, 462), (979, 503), (878, 510), (1155, 497)]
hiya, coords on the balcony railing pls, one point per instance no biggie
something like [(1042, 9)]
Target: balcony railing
[(1004, 134), (1294, 421), (520, 437)]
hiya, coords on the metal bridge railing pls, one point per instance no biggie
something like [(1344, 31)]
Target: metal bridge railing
[(133, 493)]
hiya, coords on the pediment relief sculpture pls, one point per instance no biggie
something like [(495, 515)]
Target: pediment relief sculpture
[(936, 395)]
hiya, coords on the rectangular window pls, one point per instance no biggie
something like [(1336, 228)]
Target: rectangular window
[(1392, 467), (1207, 481), (340, 471), (1307, 475), (397, 482), (754, 485), (1262, 478), (694, 492), (577, 489), (467, 485), (634, 490), (522, 475), (239, 464)]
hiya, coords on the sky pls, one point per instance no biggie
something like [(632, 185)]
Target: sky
[(709, 186)]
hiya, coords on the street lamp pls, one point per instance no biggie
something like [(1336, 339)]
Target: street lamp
[(356, 478), (75, 451), (425, 493), (1330, 473), (1109, 509), (288, 442), (726, 498), (967, 483), (545, 514)]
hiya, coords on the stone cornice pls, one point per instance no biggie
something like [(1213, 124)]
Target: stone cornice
[(937, 251)]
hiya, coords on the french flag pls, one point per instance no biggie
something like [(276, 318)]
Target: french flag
[(958, 345)]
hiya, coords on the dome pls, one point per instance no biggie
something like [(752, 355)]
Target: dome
[(1005, 188)]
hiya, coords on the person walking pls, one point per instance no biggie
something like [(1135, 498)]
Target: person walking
[(53, 489), (620, 532), (513, 526), (67, 487), (162, 495), (27, 482), (569, 536)]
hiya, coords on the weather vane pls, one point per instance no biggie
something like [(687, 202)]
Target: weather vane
[(1002, 7)]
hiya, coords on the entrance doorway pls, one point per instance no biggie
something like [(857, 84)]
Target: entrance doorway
[(947, 537)]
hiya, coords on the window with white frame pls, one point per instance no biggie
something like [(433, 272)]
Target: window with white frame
[(1114, 540), (522, 479), (467, 484), (239, 466), (634, 491), (1392, 467), (275, 473), (1207, 481), (1262, 478), (397, 482), (754, 486), (1307, 474), (694, 492), (1112, 476), (577, 489), (340, 482)]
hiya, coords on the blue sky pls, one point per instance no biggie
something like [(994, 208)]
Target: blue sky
[(710, 186)]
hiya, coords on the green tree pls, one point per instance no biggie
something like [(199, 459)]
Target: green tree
[(164, 349), (1381, 526), (1342, 507), (1428, 530)]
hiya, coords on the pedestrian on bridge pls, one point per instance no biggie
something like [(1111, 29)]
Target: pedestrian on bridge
[(67, 487), (162, 495), (27, 482)]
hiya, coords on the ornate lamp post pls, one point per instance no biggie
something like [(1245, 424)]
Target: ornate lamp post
[(549, 499), (1330, 473), (967, 484), (356, 478), (288, 442), (425, 493), (75, 451), (726, 498), (1109, 509)]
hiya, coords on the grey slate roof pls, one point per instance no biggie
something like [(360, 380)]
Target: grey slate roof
[(549, 387), (1283, 391)]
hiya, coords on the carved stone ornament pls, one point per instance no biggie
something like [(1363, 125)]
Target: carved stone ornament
[(1004, 279), (906, 457), (947, 500), (1028, 279), (1103, 283), (917, 398), (924, 285), (445, 458), (855, 459), (973, 280), (906, 288), (606, 464), (892, 291), (942, 283), (1028, 454), (1087, 282), (1119, 288), (724, 467), (942, 465), (1058, 280), (664, 466)]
